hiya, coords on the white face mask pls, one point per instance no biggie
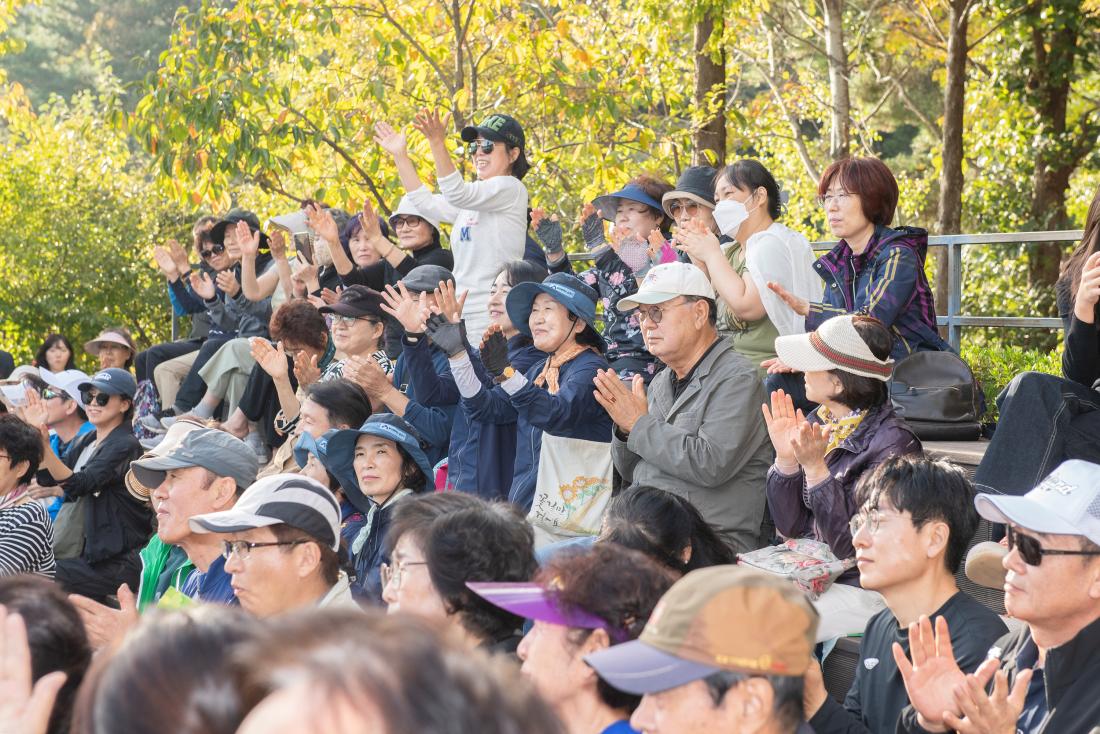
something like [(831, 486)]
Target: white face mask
[(729, 215)]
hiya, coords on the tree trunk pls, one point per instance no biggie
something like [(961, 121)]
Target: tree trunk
[(710, 92), (840, 135), (949, 210)]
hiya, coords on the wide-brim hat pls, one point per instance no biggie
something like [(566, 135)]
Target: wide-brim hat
[(696, 184), (340, 453), (608, 204), (108, 337), (406, 207), (835, 345), (567, 289), (307, 444)]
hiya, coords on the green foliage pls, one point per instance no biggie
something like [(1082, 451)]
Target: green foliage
[(995, 366), (79, 217)]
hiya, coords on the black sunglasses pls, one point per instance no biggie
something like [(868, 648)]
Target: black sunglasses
[(214, 250), (1033, 553), (485, 145), (100, 398)]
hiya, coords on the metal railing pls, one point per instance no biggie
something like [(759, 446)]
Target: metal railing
[(954, 243)]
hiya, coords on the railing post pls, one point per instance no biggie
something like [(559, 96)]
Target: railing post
[(175, 325), (954, 291)]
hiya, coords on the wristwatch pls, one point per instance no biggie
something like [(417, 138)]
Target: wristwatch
[(505, 375)]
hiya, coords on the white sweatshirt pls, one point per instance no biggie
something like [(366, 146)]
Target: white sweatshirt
[(490, 230)]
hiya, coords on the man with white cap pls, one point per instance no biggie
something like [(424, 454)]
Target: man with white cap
[(1043, 678), (698, 433), (725, 650), (281, 543)]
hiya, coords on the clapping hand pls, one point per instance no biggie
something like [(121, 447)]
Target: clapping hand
[(277, 243), (799, 305), (624, 405), (446, 304), (368, 220), (34, 412), (322, 222), (447, 335), (272, 359), (409, 312), (367, 374), (104, 625), (548, 231), (307, 370), (698, 241), (783, 423), (809, 446), (989, 713), (165, 262), (228, 283), (179, 257), (392, 141), (592, 227), (494, 351), (25, 708), (1088, 292), (202, 285), (933, 675), (247, 240), (431, 124)]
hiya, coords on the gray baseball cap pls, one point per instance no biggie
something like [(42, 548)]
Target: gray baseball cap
[(425, 278), (217, 451)]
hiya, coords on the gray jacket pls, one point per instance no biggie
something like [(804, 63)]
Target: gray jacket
[(709, 446)]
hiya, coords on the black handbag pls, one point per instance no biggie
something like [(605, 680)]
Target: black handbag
[(937, 395)]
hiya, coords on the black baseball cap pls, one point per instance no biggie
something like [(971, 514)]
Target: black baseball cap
[(501, 128), (217, 232), (357, 301)]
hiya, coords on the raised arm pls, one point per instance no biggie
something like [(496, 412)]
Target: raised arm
[(395, 143)]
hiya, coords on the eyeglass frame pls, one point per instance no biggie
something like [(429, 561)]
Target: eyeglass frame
[(396, 572), (840, 197), (677, 204), (1032, 544), (228, 550), (486, 146), (404, 220), (656, 313), (339, 318), (871, 518), (215, 249)]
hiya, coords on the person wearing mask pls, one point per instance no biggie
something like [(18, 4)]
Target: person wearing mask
[(55, 355), (761, 251), (26, 533), (115, 525), (281, 542), (874, 269), (725, 650), (439, 544), (379, 465), (489, 216), (1041, 678), (696, 431), (580, 603), (915, 520), (820, 459)]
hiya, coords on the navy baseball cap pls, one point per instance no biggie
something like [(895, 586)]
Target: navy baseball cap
[(340, 449), (111, 381), (565, 288)]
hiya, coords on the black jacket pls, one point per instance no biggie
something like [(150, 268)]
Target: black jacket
[(1070, 677), (114, 522)]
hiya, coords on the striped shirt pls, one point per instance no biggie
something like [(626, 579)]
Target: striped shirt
[(26, 540)]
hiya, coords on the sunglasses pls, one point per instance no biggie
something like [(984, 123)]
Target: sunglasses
[(214, 250), (99, 398), (1033, 553), (407, 220), (485, 145), (48, 394)]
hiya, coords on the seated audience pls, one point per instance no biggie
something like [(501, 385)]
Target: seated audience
[(1045, 419), (915, 520), (281, 542), (696, 433), (751, 315), (379, 465), (114, 348), (1042, 677), (55, 355), (725, 651), (437, 544), (692, 198), (819, 460), (580, 603), (26, 532), (66, 420)]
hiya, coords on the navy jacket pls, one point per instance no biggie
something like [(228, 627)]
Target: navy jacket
[(572, 413), (366, 584), (424, 375)]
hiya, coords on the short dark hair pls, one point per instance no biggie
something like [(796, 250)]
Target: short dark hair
[(857, 391), (414, 516), (523, 271), (712, 308), (330, 559), (616, 584), (929, 490), (55, 635), (490, 542), (346, 402), (22, 443), (51, 340), (871, 180), (787, 689), (661, 525), (299, 322), (750, 174)]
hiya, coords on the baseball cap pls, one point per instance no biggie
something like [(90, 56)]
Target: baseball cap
[(407, 207), (357, 300), (172, 438), (68, 381), (281, 499), (502, 129), (665, 282), (217, 451), (112, 381), (696, 183), (217, 232), (425, 278), (835, 345), (1067, 502), (714, 619), (534, 601), (608, 204)]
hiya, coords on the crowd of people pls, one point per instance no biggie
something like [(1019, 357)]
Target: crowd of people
[(397, 460)]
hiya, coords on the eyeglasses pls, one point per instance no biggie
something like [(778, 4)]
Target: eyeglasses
[(243, 548), (48, 394), (656, 314), (408, 220), (339, 318), (1033, 553), (395, 574), (214, 250), (5, 456), (872, 519), (485, 145), (98, 398), (682, 205), (839, 197)]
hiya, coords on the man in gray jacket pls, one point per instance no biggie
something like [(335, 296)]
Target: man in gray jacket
[(699, 433)]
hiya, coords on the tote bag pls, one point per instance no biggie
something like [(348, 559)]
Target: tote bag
[(572, 490)]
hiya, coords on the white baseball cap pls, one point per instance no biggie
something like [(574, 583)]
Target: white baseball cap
[(1065, 503), (667, 281), (68, 381), (835, 345)]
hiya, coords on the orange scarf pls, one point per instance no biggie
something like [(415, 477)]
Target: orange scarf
[(550, 370)]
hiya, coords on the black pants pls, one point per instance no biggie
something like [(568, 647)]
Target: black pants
[(146, 362), (193, 388), (260, 403), (101, 579), (792, 383)]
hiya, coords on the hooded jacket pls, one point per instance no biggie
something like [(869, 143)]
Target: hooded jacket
[(886, 281)]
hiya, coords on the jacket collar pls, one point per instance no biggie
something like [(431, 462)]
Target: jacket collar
[(701, 370), (834, 260), (861, 438), (1068, 663)]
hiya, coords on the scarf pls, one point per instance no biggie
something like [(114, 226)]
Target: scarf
[(840, 427), (364, 532), (14, 498), (552, 368)]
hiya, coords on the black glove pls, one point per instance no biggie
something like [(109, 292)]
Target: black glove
[(592, 231), (449, 337), (494, 353), (549, 234)]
